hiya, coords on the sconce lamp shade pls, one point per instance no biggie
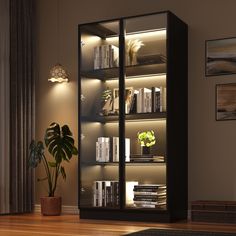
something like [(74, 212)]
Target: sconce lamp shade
[(58, 74)]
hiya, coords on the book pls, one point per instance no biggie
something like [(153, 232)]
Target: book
[(147, 100), (146, 158), (115, 149), (150, 186), (127, 149), (106, 56), (149, 197), (150, 193), (133, 106)]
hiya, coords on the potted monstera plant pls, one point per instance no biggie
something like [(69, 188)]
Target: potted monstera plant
[(60, 144)]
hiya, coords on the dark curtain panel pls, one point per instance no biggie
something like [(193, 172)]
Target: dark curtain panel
[(22, 100)]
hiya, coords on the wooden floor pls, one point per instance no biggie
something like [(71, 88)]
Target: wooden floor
[(71, 225)]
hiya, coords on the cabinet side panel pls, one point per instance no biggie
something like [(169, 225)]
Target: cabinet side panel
[(177, 116)]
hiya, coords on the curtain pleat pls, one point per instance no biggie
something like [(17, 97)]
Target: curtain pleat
[(22, 100), (4, 106)]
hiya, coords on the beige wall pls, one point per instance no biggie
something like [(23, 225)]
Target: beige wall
[(212, 149)]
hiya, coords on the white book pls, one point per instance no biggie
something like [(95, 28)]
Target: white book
[(114, 149), (97, 152), (96, 58), (140, 101), (107, 149), (102, 148), (99, 192), (162, 99), (95, 194), (129, 191), (127, 150)]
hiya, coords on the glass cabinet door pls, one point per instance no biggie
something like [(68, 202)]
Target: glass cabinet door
[(145, 112), (99, 115)]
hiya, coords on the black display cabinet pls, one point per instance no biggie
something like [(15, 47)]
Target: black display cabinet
[(133, 118)]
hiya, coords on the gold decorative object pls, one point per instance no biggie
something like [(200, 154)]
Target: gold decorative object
[(132, 48)]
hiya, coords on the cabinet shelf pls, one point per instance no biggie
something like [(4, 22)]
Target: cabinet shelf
[(131, 71), (127, 163), (128, 117)]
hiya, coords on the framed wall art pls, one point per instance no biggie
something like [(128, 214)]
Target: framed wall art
[(220, 57), (226, 101)]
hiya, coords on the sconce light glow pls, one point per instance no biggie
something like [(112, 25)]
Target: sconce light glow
[(58, 74)]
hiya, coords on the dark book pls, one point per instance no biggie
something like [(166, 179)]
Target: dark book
[(156, 99), (133, 106), (108, 196), (150, 186), (151, 59), (149, 197)]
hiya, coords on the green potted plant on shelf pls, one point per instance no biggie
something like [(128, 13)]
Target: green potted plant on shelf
[(146, 140), (60, 144)]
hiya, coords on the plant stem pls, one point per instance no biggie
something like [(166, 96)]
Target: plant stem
[(48, 175), (56, 177)]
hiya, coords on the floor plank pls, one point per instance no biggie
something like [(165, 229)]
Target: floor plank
[(71, 225)]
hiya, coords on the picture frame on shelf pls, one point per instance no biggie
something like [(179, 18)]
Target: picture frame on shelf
[(129, 93), (220, 56), (226, 102)]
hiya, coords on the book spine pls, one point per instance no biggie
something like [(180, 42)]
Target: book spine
[(127, 150), (97, 152)]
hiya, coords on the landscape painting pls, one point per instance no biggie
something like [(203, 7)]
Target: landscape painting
[(226, 102), (221, 57)]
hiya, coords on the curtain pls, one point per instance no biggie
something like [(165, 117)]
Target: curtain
[(22, 100), (4, 106)]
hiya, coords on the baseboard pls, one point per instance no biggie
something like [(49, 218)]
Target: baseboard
[(70, 210)]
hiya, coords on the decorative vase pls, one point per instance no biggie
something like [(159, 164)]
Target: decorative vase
[(133, 58), (145, 150), (50, 206)]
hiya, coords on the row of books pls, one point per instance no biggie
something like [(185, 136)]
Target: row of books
[(142, 100), (149, 195), (146, 158), (148, 100), (106, 56), (107, 149), (106, 194)]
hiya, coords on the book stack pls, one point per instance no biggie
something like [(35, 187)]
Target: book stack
[(150, 196), (145, 100), (106, 56), (106, 194), (107, 149), (146, 158)]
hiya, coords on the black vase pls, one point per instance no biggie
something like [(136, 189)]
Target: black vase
[(145, 150)]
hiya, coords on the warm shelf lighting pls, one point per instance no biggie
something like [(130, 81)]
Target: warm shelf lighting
[(148, 33), (58, 74)]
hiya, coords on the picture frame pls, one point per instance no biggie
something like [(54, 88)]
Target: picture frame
[(220, 56), (226, 102), (129, 92)]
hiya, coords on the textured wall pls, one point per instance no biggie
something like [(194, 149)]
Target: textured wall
[(212, 149)]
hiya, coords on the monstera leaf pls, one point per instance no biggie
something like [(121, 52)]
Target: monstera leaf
[(60, 142), (36, 153)]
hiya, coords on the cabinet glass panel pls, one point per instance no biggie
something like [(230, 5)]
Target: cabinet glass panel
[(99, 108), (145, 108)]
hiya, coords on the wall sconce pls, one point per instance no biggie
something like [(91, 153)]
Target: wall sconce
[(58, 74)]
